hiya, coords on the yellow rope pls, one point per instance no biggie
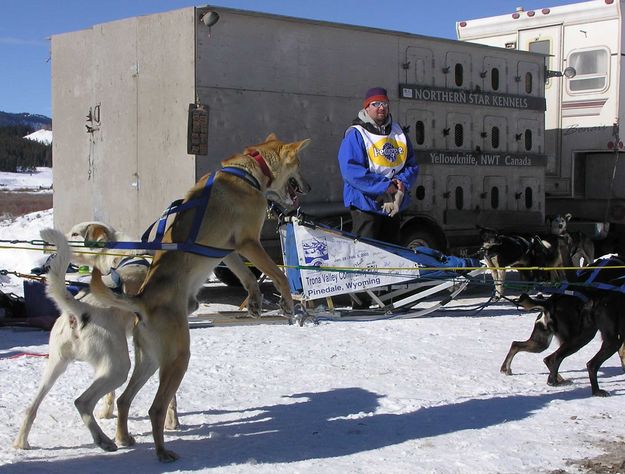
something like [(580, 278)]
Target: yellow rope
[(334, 269)]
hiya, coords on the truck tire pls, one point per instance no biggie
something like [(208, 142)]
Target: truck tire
[(414, 236), (228, 278)]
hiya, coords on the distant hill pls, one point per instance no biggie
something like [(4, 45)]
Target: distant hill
[(41, 136), (33, 121)]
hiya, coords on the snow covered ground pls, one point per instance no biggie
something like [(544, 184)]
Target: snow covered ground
[(393, 396), (38, 181)]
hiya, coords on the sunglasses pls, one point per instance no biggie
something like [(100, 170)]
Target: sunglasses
[(378, 103)]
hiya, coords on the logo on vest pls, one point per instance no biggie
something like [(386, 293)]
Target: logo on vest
[(389, 152)]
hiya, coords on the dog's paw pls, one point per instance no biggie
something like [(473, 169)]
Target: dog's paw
[(600, 393), (165, 455), (21, 444), (105, 443), (505, 370), (126, 440), (286, 307), (559, 380), (254, 306)]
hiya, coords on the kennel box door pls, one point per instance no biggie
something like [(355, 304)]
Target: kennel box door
[(458, 193), (420, 65), (527, 197), (421, 128), (494, 193), (423, 194), (457, 70)]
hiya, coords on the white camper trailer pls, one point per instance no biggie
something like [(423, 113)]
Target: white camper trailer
[(125, 92), (585, 106)]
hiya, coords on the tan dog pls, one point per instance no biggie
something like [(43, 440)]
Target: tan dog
[(129, 271), (232, 220)]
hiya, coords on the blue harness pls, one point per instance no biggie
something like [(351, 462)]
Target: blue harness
[(189, 245), (587, 278), (116, 278)]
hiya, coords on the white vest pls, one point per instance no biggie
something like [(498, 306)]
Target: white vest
[(387, 153)]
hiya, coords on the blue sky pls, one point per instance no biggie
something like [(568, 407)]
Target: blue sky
[(26, 25)]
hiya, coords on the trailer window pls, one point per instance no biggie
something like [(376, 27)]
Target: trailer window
[(494, 79), (529, 82), (458, 134), (592, 70), (459, 73), (528, 139), (459, 198), (419, 132), (494, 137), (542, 47), (494, 197)]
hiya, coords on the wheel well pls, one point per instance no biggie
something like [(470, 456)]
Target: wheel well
[(421, 224)]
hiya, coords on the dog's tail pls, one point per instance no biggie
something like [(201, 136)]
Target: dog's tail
[(56, 288), (110, 298)]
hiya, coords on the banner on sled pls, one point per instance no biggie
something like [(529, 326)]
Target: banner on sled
[(361, 266)]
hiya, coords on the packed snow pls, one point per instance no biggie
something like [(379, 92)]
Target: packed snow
[(397, 396)]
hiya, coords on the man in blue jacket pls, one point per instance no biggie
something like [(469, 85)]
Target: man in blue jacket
[(376, 158)]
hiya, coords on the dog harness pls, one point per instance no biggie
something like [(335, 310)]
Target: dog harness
[(114, 276), (587, 278), (199, 204)]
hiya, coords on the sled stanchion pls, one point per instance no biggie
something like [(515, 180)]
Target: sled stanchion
[(322, 262)]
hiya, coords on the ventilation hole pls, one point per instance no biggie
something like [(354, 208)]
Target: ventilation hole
[(459, 72), (528, 140), (494, 79), (529, 83), (458, 134), (529, 198), (494, 137), (459, 198), (419, 132), (494, 198), (420, 193)]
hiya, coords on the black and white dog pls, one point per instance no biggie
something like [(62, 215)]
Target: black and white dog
[(502, 251), (575, 317)]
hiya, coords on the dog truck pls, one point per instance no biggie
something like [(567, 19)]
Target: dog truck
[(585, 95), (143, 107)]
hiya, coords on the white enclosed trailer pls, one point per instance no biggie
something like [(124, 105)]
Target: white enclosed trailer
[(585, 171), (143, 107)]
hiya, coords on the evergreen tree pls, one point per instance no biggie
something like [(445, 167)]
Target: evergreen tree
[(18, 153)]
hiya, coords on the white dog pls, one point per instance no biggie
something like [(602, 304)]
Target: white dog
[(83, 332), (88, 332)]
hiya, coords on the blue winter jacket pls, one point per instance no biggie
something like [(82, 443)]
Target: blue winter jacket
[(361, 187)]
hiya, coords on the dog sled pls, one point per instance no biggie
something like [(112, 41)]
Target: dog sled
[(322, 263)]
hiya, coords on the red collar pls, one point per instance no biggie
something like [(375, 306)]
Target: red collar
[(263, 165)]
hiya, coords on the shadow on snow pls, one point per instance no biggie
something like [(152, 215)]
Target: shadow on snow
[(317, 425)]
